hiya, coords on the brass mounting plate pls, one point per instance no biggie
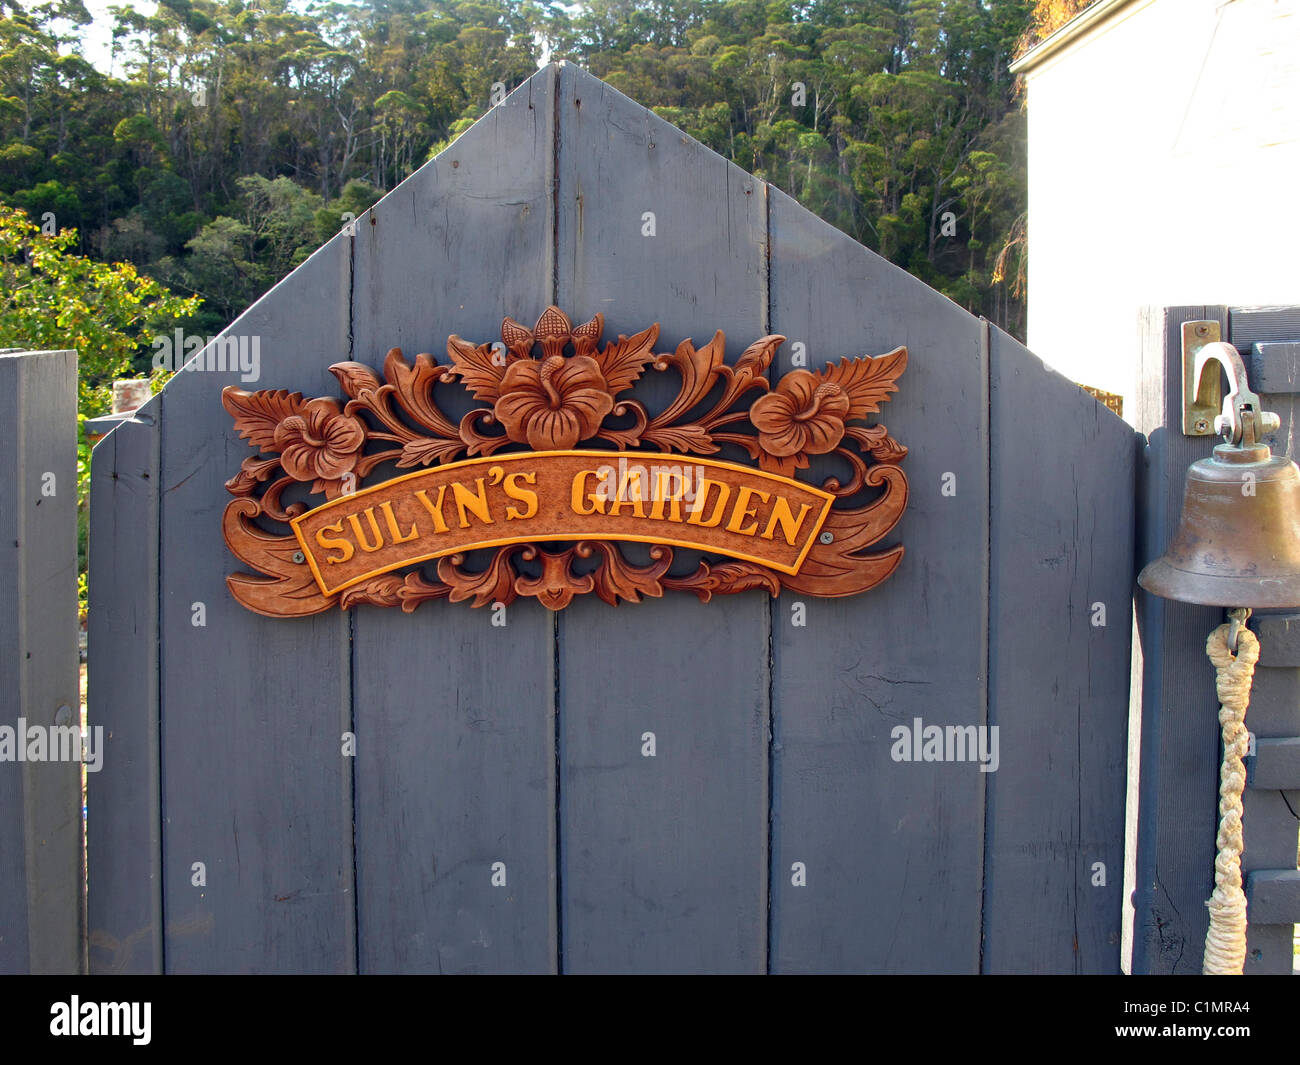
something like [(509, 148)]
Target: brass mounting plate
[(1199, 412)]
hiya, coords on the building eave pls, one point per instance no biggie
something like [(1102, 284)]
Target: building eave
[(1088, 19)]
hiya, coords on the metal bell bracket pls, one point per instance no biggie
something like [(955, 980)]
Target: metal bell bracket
[(1241, 420)]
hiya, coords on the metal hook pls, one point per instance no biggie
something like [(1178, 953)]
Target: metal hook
[(1237, 618), (1231, 425)]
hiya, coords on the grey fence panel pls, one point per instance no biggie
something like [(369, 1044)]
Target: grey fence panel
[(1269, 813), (41, 920), (1177, 797), (254, 784), (124, 823), (1270, 335), (892, 849), (502, 812), (1062, 470), (663, 858), (14, 954), (454, 714)]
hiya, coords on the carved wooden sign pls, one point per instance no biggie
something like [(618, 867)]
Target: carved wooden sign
[(525, 471)]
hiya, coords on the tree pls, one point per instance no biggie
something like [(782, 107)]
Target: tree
[(51, 298)]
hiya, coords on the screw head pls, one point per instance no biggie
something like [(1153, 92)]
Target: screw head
[(827, 538), (298, 556), (1201, 425)]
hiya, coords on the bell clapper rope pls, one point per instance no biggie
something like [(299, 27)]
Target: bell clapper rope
[(1233, 649)]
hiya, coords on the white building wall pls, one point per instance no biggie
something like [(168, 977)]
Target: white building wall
[(1164, 168)]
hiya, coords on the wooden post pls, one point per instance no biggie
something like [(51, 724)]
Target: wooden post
[(41, 923), (1177, 816), (1267, 338)]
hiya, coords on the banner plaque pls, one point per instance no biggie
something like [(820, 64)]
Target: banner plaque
[(512, 476)]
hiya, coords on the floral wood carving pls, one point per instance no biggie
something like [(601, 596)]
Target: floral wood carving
[(519, 473)]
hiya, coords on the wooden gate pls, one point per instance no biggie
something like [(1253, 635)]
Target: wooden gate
[(500, 814)]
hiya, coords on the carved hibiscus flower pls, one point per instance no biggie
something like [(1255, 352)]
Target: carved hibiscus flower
[(554, 403), (320, 442), (802, 416)]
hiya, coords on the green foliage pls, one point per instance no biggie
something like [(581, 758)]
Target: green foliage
[(231, 137), (53, 298), (892, 119)]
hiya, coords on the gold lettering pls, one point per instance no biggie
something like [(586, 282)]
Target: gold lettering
[(361, 537), (702, 501), (435, 512), (597, 499), (329, 541), (521, 494), (663, 476), (743, 510), (782, 515), (476, 503), (391, 519), (624, 496)]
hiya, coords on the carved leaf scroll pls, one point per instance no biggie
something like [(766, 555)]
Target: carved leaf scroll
[(555, 387)]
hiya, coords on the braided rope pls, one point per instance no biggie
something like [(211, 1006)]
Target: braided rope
[(1225, 941)]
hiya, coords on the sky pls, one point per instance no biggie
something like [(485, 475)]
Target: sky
[(98, 39)]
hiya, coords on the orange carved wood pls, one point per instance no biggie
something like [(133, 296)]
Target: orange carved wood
[(555, 389)]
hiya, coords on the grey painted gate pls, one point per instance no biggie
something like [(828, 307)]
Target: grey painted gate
[(521, 745)]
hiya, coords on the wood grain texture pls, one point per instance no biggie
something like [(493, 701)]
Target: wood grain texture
[(1275, 764), (254, 784), (1177, 812), (1273, 897), (455, 715), (1270, 830), (1251, 325), (664, 858), (893, 850), (41, 841), (1060, 625), (1269, 816), (1275, 366), (123, 801), (1279, 639), (14, 955)]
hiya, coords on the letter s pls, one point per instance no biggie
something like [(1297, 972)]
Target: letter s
[(328, 541), (522, 494)]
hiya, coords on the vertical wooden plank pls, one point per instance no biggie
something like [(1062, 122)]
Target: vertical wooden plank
[(1269, 816), (663, 859), (1062, 469), (123, 802), (14, 957), (1269, 828), (41, 919), (1179, 763), (254, 783), (455, 715), (893, 850), (14, 953)]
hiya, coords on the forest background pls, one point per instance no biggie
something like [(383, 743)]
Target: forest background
[(171, 182)]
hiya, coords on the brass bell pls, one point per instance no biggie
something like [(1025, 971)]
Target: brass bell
[(1238, 541)]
